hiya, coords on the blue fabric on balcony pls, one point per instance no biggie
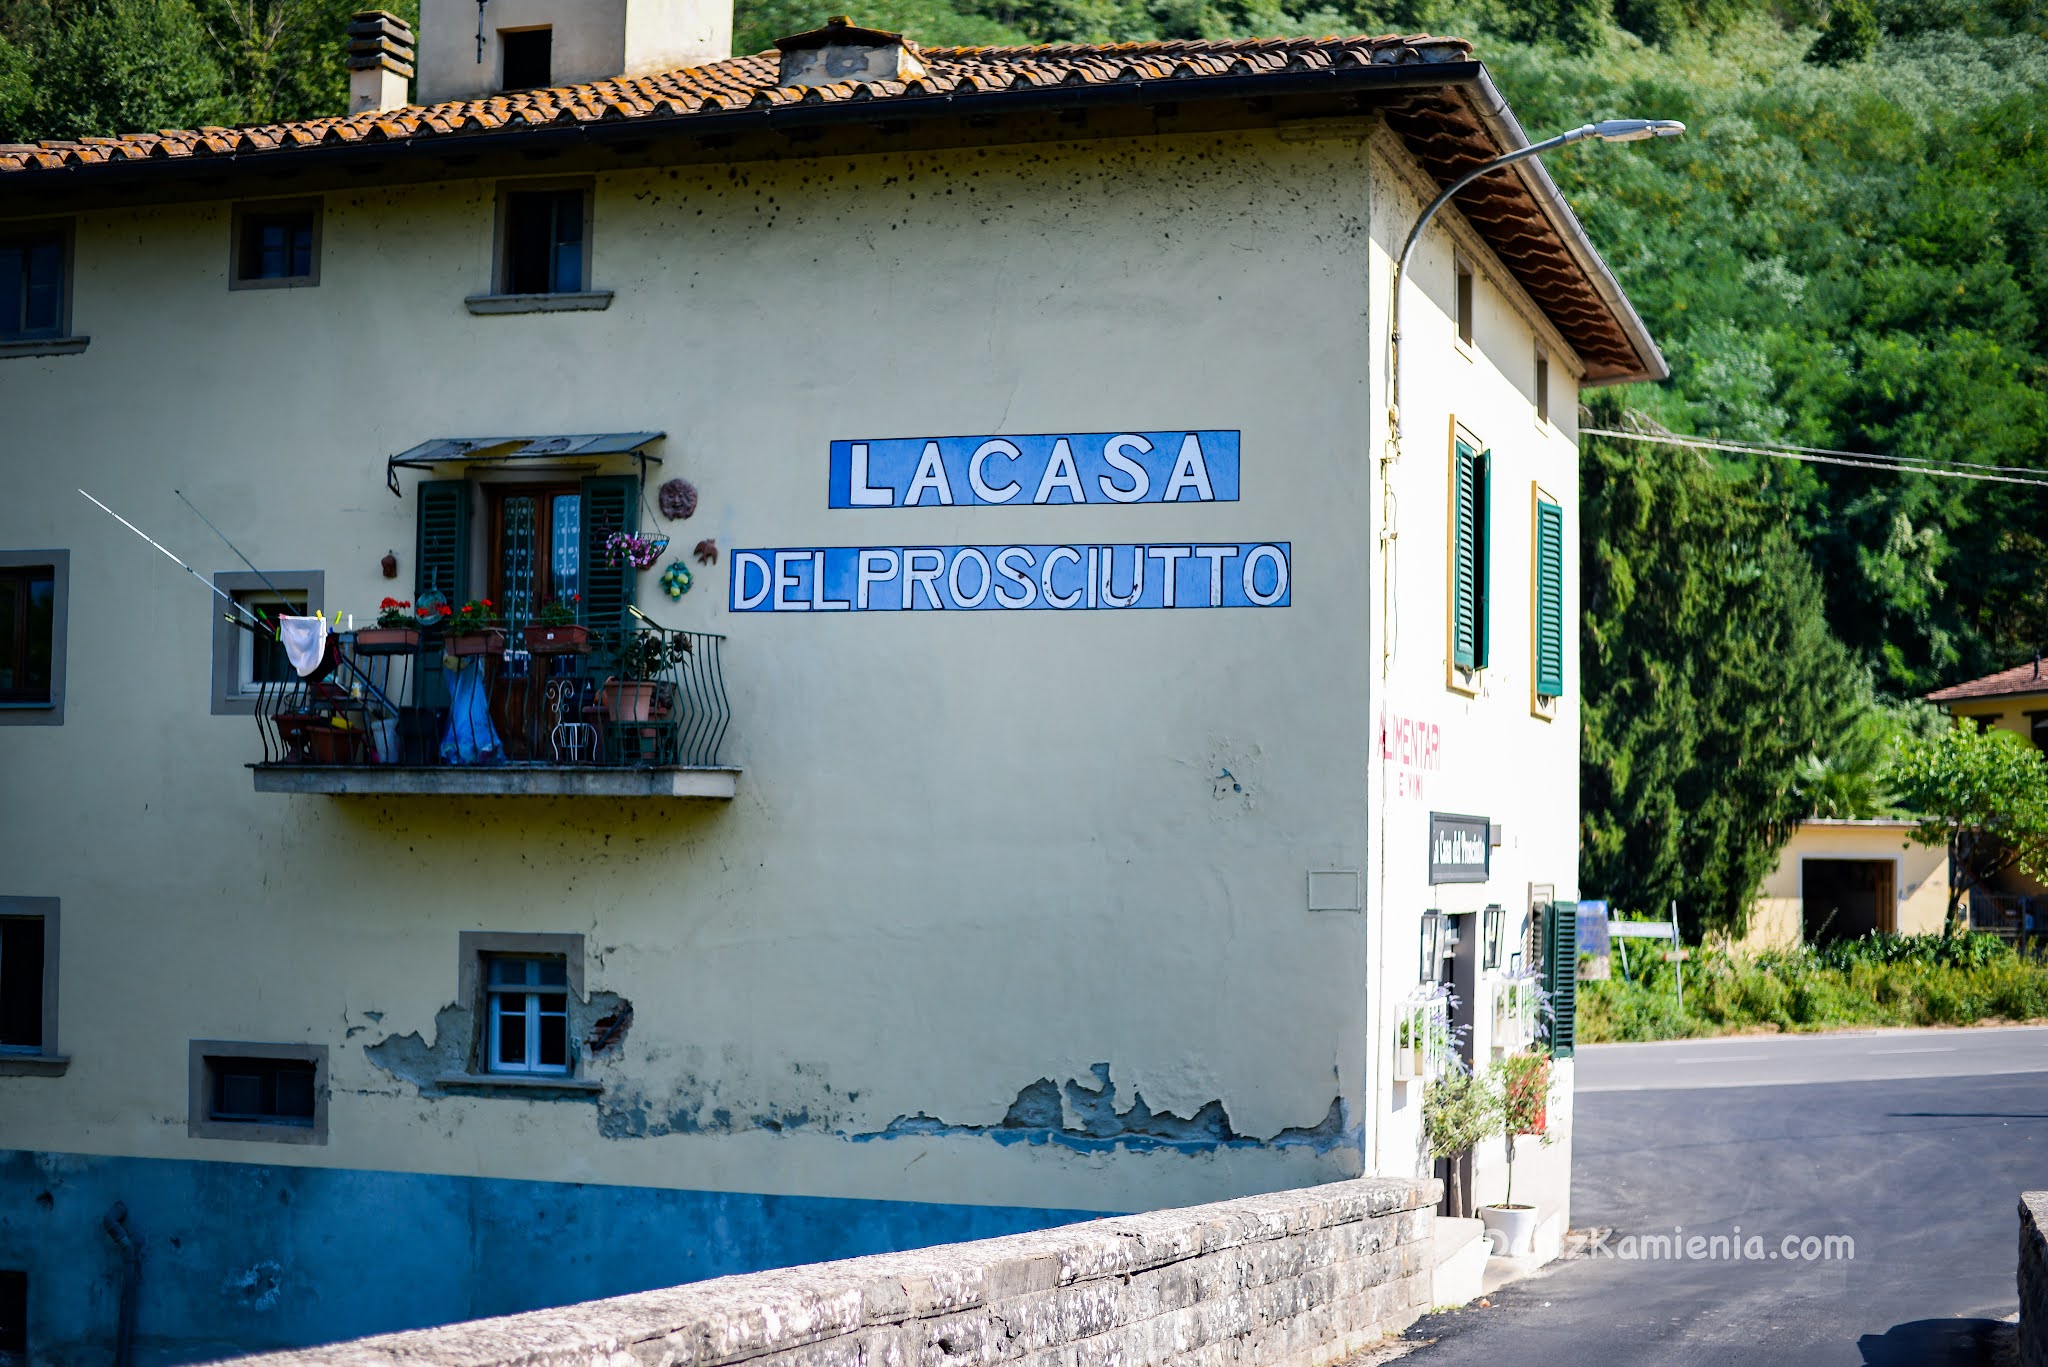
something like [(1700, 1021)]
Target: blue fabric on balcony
[(470, 738)]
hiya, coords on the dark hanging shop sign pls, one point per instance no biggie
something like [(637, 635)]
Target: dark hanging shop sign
[(1458, 848)]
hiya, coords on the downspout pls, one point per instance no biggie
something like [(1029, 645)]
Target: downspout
[(115, 1223)]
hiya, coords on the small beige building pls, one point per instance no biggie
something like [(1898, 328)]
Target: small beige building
[(1041, 748), (1841, 879)]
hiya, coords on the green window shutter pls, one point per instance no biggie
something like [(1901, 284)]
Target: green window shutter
[(1465, 495), (440, 564), (1482, 538), (1549, 599), (1561, 975), (611, 503)]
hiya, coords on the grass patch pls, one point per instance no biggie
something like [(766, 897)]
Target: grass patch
[(1875, 981)]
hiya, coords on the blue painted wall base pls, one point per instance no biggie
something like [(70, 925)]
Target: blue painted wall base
[(241, 1257)]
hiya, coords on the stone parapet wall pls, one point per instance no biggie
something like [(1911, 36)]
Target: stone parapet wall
[(2033, 1333), (1290, 1279)]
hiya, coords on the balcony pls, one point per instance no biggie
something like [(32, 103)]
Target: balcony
[(527, 712)]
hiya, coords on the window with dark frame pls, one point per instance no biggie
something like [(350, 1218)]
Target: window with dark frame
[(543, 242), (13, 1316), (32, 286), (262, 659), (1542, 387), (28, 617), (22, 949), (261, 1091), (276, 245), (527, 1007), (528, 56), (1465, 300)]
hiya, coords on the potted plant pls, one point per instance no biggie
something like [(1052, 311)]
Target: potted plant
[(474, 629), (1523, 1090), (397, 630), (1461, 1110), (555, 631), (636, 693)]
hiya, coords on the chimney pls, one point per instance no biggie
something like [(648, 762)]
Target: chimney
[(841, 52), (470, 49), (379, 61)]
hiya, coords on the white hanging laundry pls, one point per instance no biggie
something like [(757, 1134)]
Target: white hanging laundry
[(305, 642)]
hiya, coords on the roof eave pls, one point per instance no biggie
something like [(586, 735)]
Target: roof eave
[(1500, 120)]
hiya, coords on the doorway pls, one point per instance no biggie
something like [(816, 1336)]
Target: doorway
[(1844, 899)]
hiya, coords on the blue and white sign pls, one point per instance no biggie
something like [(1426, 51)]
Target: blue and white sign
[(1244, 574), (1083, 467)]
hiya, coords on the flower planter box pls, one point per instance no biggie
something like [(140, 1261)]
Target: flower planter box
[(336, 745), (487, 642), (561, 640), (387, 640)]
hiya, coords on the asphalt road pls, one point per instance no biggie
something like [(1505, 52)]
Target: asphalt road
[(1913, 1144)]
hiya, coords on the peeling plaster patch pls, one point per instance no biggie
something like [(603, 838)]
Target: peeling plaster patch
[(698, 1106), (412, 1059), (1037, 1117), (257, 1287)]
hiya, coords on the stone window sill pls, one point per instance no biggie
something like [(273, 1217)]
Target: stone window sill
[(34, 1065), (44, 346), (567, 302), (517, 1082)]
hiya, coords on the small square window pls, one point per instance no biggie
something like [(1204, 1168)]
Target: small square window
[(13, 1318), (265, 1092), (245, 660), (33, 588), (544, 245), (1542, 387), (28, 987), (34, 293), (527, 1009), (276, 244), (528, 56)]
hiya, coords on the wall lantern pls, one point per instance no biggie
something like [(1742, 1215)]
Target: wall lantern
[(1493, 933)]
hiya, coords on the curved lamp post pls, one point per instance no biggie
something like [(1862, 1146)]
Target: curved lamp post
[(1610, 130)]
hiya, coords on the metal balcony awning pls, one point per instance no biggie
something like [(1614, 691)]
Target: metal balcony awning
[(467, 451)]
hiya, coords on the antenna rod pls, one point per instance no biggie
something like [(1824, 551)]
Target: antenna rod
[(210, 586)]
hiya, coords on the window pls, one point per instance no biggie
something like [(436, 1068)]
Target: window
[(527, 991), (28, 986), (275, 1093), (244, 660), (528, 56), (536, 548), (1549, 577), (34, 282), (1542, 387), (33, 588), (1471, 519), (13, 1317), (527, 1006), (276, 244), (1465, 301), (544, 245)]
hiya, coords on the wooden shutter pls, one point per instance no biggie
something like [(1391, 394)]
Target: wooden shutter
[(440, 564), (1465, 495), (1482, 540), (1549, 599), (1561, 975), (611, 503)]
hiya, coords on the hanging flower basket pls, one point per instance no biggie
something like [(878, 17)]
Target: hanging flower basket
[(641, 552)]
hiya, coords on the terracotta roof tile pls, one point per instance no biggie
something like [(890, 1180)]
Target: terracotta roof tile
[(2025, 678), (1439, 126)]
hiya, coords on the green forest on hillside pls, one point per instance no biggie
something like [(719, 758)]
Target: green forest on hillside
[(1849, 250)]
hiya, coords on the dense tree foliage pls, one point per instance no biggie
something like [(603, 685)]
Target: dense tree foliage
[(1710, 672), (1849, 250), (1984, 794)]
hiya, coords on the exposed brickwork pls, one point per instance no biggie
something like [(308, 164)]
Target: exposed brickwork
[(1292, 1279)]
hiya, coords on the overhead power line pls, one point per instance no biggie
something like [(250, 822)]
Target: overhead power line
[(1819, 455)]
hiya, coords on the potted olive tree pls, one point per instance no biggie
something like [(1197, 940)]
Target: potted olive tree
[(1461, 1110), (1522, 1089)]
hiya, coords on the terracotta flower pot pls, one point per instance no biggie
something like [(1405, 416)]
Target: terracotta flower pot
[(387, 640), (558, 640), (629, 700), (488, 641)]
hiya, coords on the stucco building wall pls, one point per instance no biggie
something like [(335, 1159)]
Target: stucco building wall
[(1919, 879), (976, 860)]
